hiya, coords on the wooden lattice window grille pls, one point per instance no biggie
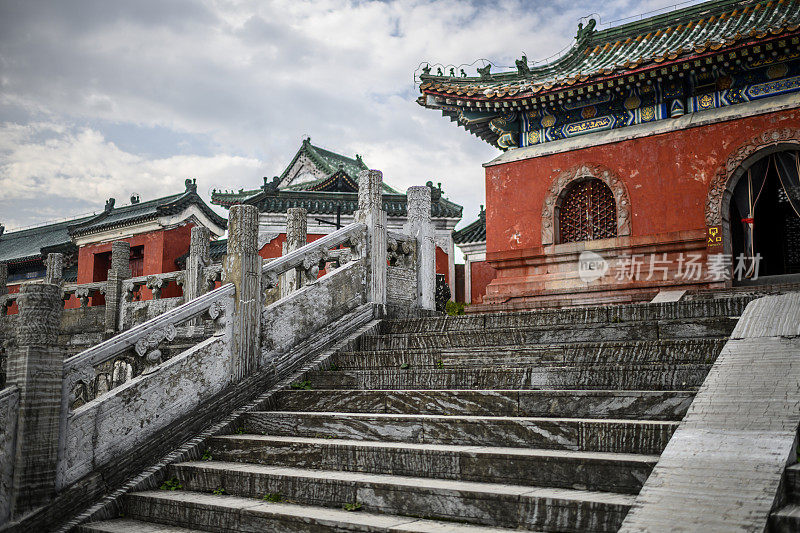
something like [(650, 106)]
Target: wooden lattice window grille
[(587, 212)]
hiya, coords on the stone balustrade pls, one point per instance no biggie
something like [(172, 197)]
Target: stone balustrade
[(137, 347), (312, 257), (114, 427)]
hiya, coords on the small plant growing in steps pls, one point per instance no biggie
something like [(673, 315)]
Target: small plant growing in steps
[(171, 484), (355, 506), (439, 364), (219, 491), (239, 431), (333, 368), (274, 497), (206, 456), (405, 366), (301, 385)]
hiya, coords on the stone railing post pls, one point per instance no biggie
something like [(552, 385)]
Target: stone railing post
[(36, 367), (3, 279), (54, 269), (370, 212), (120, 270), (194, 284), (296, 237), (420, 227), (242, 267)]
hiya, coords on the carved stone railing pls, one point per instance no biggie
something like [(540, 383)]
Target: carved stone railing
[(212, 274), (136, 351), (312, 257), (83, 291), (155, 282), (400, 249)]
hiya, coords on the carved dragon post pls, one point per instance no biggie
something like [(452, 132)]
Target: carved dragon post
[(36, 368), (120, 271), (296, 237), (242, 267), (420, 227), (370, 212)]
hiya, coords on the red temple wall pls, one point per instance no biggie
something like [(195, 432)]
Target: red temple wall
[(481, 275), (443, 264), (667, 177)]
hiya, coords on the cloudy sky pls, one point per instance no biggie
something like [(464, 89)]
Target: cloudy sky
[(106, 98)]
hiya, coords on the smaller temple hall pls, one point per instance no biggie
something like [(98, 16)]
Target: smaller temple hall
[(325, 184)]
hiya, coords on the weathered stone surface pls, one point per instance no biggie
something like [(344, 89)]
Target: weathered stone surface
[(3, 278), (624, 473), (642, 405), (296, 238), (479, 503), (419, 226), (723, 467), (54, 268), (9, 406), (618, 436), (35, 368), (199, 258), (370, 212), (231, 513), (292, 319), (242, 267)]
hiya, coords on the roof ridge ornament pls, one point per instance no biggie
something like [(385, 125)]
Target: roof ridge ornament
[(109, 205), (484, 72), (522, 66), (585, 33), (191, 185)]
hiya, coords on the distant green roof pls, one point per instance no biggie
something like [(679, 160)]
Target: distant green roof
[(33, 243), (151, 209), (328, 162), (474, 232), (27, 244)]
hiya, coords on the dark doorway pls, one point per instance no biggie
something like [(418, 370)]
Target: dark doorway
[(773, 223)]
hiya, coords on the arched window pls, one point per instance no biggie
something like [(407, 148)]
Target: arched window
[(587, 212)]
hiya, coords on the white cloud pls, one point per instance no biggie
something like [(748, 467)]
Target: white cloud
[(237, 83)]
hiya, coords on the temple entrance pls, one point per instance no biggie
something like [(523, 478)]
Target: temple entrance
[(765, 215)]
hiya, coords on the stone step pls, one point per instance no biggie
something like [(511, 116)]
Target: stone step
[(579, 434), (638, 405), (683, 351), (598, 471), (126, 525), (786, 519), (713, 327), (732, 306), (485, 504), (229, 514), (626, 377)]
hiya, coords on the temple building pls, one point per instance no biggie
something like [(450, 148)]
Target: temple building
[(325, 183), (660, 154), (158, 231)]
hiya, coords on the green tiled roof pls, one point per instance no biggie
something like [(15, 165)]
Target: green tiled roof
[(326, 203), (474, 232), (328, 162), (34, 243), (151, 209), (710, 26), (27, 244)]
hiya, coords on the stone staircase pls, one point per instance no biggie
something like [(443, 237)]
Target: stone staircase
[(542, 421)]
